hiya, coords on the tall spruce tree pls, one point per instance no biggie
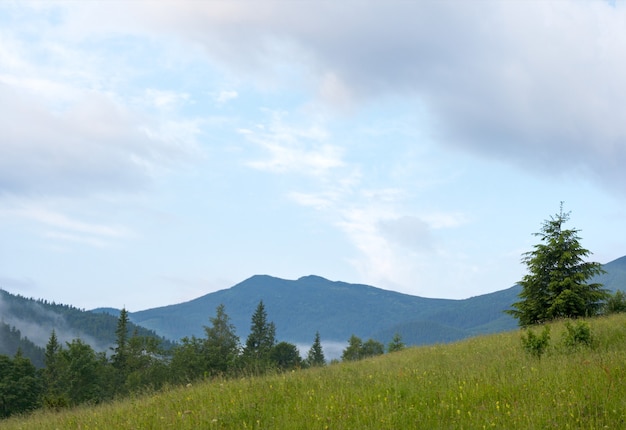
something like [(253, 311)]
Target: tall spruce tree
[(120, 358), (556, 285), (260, 341), (53, 373), (315, 356)]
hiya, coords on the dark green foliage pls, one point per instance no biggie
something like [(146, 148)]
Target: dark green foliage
[(217, 354), (145, 363), (536, 345), (52, 375), (371, 348), (20, 388), (82, 372), (577, 335), (119, 359), (120, 353), (260, 341), (285, 356), (557, 285), (358, 350), (188, 362), (315, 357), (222, 343), (396, 343), (616, 303)]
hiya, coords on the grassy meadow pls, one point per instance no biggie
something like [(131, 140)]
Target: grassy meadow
[(481, 383)]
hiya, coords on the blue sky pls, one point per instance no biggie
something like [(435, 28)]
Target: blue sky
[(153, 152)]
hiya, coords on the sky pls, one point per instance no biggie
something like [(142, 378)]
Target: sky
[(154, 152)]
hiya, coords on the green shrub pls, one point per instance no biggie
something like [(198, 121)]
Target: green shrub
[(536, 345), (616, 303), (577, 335)]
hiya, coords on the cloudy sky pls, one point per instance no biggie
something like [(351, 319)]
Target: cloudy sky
[(153, 152)]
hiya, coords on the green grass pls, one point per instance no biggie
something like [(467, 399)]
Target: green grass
[(481, 383)]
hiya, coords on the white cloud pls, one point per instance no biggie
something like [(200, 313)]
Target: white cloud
[(65, 228), (164, 99), (539, 84), (226, 96), (302, 150)]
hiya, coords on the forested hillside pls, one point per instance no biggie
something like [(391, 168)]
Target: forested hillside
[(11, 341), (27, 323)]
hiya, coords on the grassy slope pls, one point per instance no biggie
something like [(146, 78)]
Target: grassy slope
[(483, 382)]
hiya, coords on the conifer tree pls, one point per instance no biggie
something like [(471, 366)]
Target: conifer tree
[(120, 358), (396, 343), (556, 285), (261, 339), (315, 356), (53, 373), (120, 355)]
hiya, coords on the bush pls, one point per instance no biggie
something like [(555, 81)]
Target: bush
[(616, 303), (578, 334), (536, 345)]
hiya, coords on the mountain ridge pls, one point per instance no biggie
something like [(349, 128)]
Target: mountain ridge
[(299, 308), (338, 309)]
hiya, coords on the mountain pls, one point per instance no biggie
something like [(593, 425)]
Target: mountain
[(27, 323), (12, 341), (298, 308), (337, 310)]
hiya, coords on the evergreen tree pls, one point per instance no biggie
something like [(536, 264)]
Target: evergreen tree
[(556, 285), (222, 344), (260, 341), (315, 357), (396, 343), (52, 374), (120, 352), (120, 357)]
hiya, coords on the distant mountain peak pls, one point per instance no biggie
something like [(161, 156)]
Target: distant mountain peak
[(313, 278)]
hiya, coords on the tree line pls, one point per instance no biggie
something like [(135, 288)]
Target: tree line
[(75, 373)]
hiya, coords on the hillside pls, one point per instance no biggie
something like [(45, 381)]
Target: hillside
[(483, 382), (27, 323), (337, 310)]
